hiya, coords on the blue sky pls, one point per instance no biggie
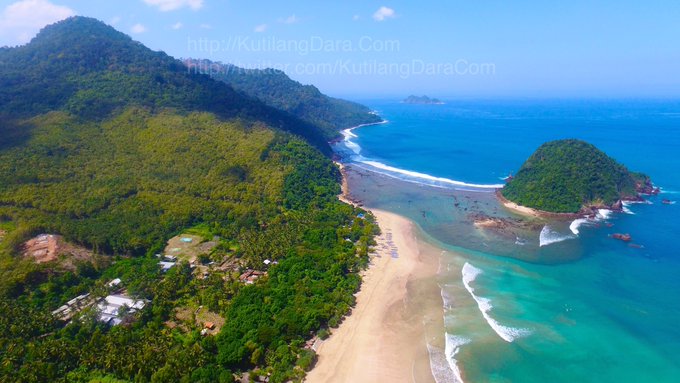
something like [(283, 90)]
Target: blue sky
[(452, 48)]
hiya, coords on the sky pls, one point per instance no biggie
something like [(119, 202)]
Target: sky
[(445, 49)]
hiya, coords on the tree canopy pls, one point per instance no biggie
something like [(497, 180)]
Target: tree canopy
[(119, 148), (91, 70), (276, 89), (564, 176)]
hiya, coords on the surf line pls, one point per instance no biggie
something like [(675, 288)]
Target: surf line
[(406, 175), (508, 334)]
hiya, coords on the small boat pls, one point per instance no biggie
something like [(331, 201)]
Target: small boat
[(667, 201)]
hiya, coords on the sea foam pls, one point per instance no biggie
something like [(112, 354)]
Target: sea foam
[(574, 226), (403, 174), (506, 333), (549, 236), (443, 363), (603, 213), (426, 178), (447, 299)]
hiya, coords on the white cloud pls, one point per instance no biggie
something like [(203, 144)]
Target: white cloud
[(171, 5), (115, 20), (138, 28), (356, 17), (177, 25), (261, 28), (21, 20), (292, 19), (205, 26), (383, 13)]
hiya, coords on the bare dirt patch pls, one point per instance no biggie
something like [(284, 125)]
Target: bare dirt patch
[(188, 247), (51, 247)]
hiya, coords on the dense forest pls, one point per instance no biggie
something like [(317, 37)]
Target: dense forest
[(566, 175), (92, 71), (276, 89), (118, 149)]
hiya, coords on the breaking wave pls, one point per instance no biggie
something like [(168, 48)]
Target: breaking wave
[(506, 333), (443, 363), (403, 174), (574, 226), (549, 236)]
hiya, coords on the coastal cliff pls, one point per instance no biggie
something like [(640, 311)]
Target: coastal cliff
[(573, 177)]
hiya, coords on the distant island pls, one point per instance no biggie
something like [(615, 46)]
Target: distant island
[(422, 100), (573, 177)]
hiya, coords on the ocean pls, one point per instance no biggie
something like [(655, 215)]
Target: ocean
[(551, 301)]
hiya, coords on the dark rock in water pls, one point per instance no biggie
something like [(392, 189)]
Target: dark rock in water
[(618, 205), (635, 246), (622, 237), (667, 201), (645, 187)]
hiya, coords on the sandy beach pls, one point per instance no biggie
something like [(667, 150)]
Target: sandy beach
[(385, 337), (534, 213)]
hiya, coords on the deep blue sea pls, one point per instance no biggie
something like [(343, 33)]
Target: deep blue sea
[(551, 304)]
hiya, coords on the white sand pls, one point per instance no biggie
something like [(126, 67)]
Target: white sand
[(383, 340)]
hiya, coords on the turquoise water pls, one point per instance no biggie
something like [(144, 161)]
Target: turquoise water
[(584, 308)]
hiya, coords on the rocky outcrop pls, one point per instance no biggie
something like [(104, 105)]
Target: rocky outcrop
[(622, 237), (646, 187)]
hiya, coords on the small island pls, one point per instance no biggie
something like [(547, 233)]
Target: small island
[(423, 100), (572, 177)]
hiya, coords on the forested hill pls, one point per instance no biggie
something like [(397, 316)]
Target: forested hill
[(566, 176), (278, 90), (89, 69), (115, 149)]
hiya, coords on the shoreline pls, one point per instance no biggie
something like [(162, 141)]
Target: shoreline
[(398, 311), (534, 213), (344, 133)]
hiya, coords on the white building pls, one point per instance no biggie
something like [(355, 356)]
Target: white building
[(165, 266), (109, 309)]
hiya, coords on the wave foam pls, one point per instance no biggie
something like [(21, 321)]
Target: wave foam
[(574, 226), (549, 236), (603, 213), (403, 174), (428, 179), (447, 299), (443, 364), (453, 345), (508, 334)]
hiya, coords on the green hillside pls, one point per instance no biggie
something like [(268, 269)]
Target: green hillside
[(566, 175), (276, 89), (92, 71), (118, 149)]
